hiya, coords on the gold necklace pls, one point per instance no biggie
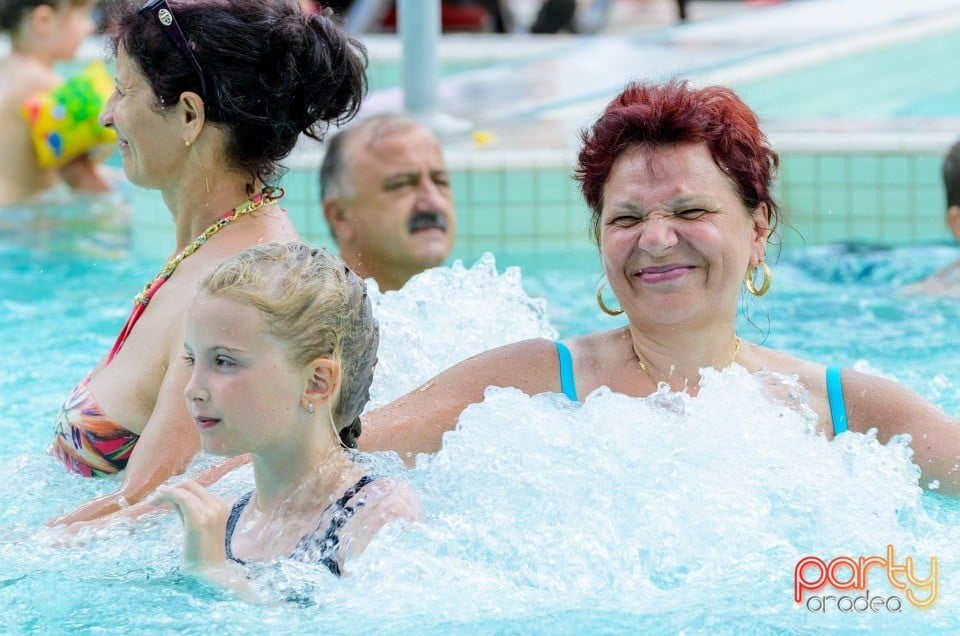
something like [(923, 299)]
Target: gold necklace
[(266, 197), (646, 370)]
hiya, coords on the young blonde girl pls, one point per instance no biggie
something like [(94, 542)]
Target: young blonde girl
[(281, 342)]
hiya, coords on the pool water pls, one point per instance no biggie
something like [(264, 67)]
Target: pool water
[(621, 516), (905, 80)]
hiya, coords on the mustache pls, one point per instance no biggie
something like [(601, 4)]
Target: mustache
[(427, 220)]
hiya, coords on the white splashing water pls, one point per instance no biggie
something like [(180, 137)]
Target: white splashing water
[(618, 515), (445, 315)]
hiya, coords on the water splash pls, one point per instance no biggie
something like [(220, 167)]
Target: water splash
[(617, 515), (445, 315)]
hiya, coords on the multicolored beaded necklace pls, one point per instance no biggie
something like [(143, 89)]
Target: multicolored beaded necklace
[(141, 300)]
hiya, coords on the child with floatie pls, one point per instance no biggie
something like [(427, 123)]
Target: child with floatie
[(48, 124)]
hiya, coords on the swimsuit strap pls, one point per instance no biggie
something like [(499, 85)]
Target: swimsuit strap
[(311, 547), (322, 549), (232, 523), (567, 385), (838, 410), (135, 314)]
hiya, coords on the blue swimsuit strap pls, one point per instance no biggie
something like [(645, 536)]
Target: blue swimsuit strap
[(838, 410), (567, 385)]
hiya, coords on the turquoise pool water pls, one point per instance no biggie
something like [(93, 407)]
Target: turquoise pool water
[(623, 516), (912, 79)]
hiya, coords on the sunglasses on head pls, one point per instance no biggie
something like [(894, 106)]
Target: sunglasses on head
[(161, 10)]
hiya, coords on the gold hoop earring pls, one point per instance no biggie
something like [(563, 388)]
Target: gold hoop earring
[(603, 307), (764, 286)]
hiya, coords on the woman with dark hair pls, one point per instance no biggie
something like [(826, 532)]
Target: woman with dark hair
[(678, 180), (210, 96)]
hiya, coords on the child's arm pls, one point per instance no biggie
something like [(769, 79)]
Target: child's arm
[(207, 477), (204, 519), (65, 131)]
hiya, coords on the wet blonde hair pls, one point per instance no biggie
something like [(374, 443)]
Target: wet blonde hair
[(317, 306)]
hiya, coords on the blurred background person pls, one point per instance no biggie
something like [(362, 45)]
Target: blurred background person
[(386, 196), (946, 282), (48, 125)]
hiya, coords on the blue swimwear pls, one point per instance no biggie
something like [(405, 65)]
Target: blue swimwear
[(314, 547), (567, 386), (838, 410)]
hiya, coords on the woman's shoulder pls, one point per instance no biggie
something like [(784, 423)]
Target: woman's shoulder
[(233, 240), (263, 226), (598, 338), (757, 357), (865, 395), (596, 346)]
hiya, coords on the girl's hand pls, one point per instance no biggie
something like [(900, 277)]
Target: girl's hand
[(204, 521)]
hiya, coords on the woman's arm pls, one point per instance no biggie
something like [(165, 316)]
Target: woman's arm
[(168, 444), (416, 422), (891, 408)]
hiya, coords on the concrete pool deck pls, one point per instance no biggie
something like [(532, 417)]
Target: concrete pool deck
[(543, 90)]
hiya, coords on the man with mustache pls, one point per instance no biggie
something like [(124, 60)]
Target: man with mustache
[(386, 196)]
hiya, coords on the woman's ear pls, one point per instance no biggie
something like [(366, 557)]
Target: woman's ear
[(761, 233), (193, 115), (323, 379)]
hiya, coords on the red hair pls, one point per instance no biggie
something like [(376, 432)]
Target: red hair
[(674, 113)]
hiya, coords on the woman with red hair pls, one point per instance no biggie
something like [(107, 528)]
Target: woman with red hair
[(678, 180)]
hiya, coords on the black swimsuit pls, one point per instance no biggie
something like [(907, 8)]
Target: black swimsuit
[(316, 547)]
